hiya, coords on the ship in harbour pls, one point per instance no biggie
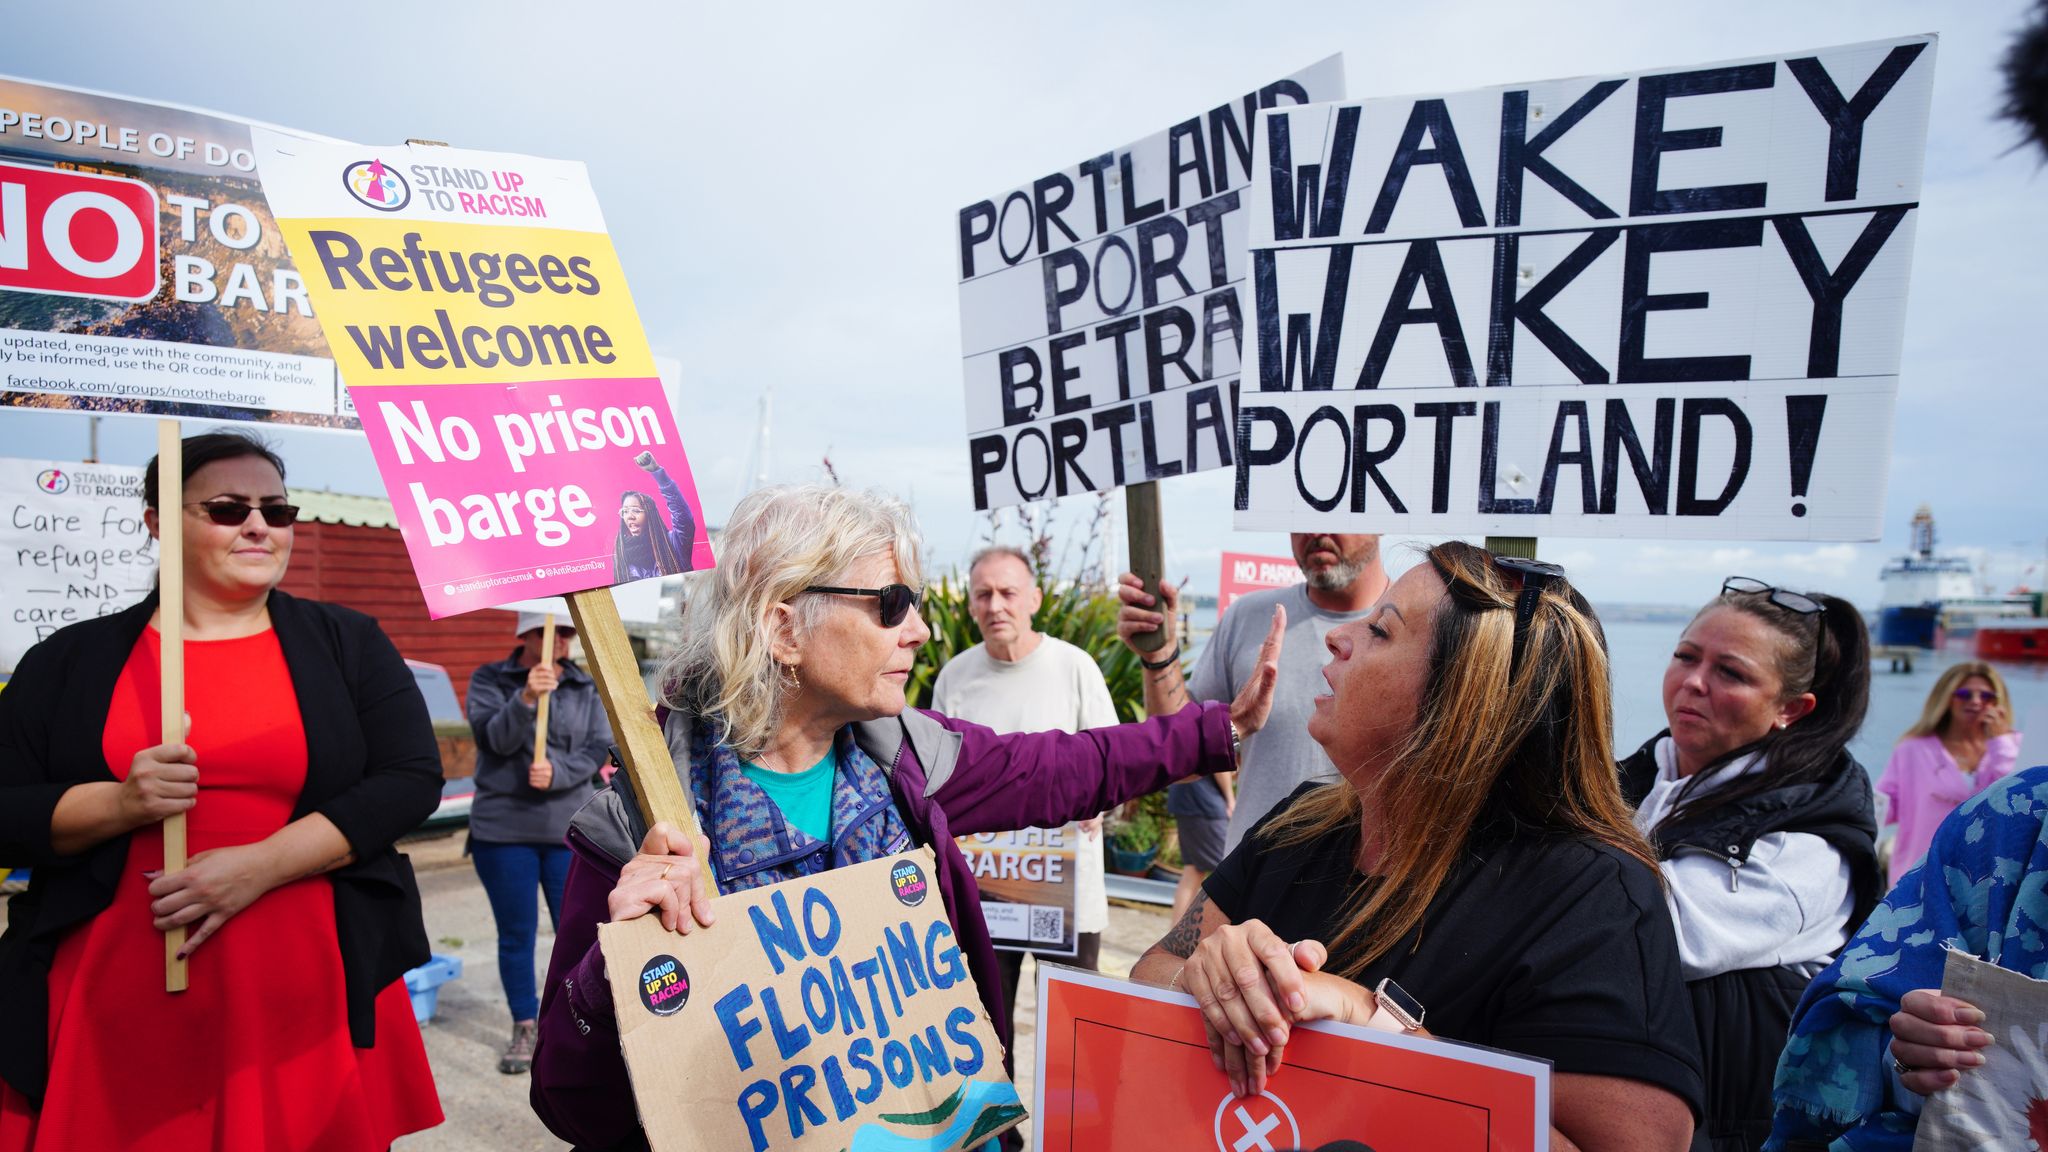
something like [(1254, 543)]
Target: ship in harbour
[(1928, 596)]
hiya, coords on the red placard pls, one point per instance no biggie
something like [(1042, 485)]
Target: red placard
[(68, 233), (1243, 572), (1123, 1065)]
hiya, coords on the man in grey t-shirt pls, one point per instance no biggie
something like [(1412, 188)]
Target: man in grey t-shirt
[(1344, 580)]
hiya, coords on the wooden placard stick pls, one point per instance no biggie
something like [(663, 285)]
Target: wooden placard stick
[(649, 766), (1523, 546), (170, 627), (1148, 554), (540, 710)]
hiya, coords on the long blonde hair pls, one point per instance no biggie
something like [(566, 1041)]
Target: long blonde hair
[(780, 540), (1533, 751), (1934, 714)]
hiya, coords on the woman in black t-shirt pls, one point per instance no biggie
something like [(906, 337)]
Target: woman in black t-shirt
[(1477, 854)]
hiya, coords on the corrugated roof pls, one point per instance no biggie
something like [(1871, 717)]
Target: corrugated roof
[(343, 508)]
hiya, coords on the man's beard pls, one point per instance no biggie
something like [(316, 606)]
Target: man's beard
[(1335, 578)]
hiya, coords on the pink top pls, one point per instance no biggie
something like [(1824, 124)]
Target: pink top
[(1922, 785)]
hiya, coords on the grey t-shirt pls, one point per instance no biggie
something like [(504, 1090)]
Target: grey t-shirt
[(1279, 757)]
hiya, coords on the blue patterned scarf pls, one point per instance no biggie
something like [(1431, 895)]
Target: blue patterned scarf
[(1983, 889), (752, 844)]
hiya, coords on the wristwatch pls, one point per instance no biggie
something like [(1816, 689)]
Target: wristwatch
[(1236, 747), (1394, 1009)]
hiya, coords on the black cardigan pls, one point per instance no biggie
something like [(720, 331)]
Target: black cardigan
[(372, 767)]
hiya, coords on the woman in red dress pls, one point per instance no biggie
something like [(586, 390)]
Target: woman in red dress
[(308, 753)]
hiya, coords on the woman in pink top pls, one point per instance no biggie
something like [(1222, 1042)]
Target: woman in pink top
[(1962, 744)]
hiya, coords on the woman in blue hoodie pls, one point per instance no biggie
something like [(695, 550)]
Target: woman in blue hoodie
[(645, 546)]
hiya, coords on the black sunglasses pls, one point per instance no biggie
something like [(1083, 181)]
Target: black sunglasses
[(1783, 598), (1536, 575), (897, 599), (234, 513)]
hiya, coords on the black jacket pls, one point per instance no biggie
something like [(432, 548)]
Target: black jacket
[(1743, 1016), (373, 768)]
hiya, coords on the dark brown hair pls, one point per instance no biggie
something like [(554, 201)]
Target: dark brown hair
[(210, 448), (1827, 654), (1495, 746)]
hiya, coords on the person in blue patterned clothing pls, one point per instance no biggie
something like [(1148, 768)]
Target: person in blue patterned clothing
[(645, 546), (1874, 1037)]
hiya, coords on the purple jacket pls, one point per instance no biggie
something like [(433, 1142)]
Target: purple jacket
[(949, 778)]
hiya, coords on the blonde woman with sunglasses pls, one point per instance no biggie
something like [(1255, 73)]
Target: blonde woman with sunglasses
[(787, 719), (1962, 744)]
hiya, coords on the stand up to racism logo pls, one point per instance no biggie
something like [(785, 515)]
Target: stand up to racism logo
[(376, 185)]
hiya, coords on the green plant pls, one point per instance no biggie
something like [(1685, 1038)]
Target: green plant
[(1083, 613), (1141, 825), (1080, 609)]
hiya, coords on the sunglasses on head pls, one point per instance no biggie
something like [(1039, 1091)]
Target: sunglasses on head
[(1976, 695), (1535, 575), (234, 513), (897, 599), (1783, 598)]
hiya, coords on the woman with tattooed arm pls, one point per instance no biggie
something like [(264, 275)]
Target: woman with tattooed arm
[(1476, 865)]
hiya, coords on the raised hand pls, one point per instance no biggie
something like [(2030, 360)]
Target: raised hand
[(1254, 701)]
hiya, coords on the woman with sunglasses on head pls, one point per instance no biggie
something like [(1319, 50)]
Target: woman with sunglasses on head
[(1962, 744), (1763, 824), (1474, 874), (308, 752), (789, 730)]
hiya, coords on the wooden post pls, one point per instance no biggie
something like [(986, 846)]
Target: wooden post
[(1148, 552), (641, 745), (170, 532), (1523, 546), (540, 711)]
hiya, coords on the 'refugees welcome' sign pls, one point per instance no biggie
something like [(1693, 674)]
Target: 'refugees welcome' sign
[(833, 1012)]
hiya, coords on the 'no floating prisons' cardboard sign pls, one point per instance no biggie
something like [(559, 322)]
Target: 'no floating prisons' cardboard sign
[(1665, 304), (829, 1013), (482, 323), (1102, 307)]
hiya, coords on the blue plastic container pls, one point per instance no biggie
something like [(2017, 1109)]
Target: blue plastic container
[(424, 983)]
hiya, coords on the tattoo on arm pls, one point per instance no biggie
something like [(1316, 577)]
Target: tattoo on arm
[(1185, 935), (1172, 688), (341, 861)]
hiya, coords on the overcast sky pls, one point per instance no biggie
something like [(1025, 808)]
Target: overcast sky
[(781, 182)]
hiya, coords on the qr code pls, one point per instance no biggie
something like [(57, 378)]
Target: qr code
[(1048, 925)]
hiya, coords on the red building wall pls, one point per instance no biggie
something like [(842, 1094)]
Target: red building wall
[(366, 569)]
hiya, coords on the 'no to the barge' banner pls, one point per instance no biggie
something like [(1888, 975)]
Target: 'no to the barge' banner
[(1693, 279)]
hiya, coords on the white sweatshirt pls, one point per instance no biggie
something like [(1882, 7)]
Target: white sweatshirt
[(1788, 904)]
